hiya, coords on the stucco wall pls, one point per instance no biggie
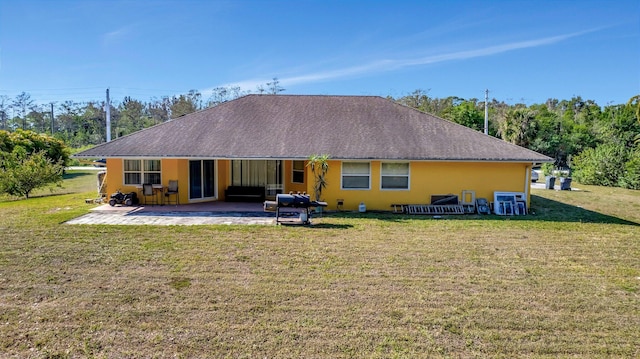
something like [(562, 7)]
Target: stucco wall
[(115, 177), (426, 179), (172, 169)]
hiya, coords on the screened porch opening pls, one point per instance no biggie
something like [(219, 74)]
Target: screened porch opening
[(265, 174)]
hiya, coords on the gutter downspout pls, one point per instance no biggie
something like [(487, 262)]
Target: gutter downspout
[(527, 185)]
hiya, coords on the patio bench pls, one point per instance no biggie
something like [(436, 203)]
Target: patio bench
[(244, 194)]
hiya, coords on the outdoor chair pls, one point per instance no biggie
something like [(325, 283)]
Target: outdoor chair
[(149, 194), (172, 190)]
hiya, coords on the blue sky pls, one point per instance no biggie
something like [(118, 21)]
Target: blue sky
[(522, 51)]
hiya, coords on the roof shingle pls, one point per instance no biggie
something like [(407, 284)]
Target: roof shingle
[(297, 126)]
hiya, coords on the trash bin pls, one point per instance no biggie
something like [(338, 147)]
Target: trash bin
[(565, 184), (549, 182)]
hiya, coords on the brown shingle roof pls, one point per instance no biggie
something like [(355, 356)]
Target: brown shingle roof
[(297, 126)]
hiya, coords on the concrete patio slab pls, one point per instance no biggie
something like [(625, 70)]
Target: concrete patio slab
[(172, 218), (228, 213)]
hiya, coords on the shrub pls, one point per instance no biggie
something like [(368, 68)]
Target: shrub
[(631, 176), (603, 165), (32, 142), (22, 172)]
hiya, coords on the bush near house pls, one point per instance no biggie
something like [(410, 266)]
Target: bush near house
[(608, 165), (53, 148), (30, 161), (21, 173)]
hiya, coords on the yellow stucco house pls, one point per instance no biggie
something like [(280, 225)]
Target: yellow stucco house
[(381, 153)]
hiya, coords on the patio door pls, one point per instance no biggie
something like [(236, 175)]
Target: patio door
[(202, 179)]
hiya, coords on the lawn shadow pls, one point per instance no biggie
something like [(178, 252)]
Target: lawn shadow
[(542, 209), (292, 219), (316, 225)]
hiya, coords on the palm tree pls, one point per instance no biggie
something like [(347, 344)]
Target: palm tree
[(319, 165), (518, 126)]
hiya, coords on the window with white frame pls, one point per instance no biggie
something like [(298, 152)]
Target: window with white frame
[(137, 172), (356, 175), (394, 175), (298, 172)]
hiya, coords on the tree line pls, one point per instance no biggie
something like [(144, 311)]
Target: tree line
[(599, 144), (84, 124)]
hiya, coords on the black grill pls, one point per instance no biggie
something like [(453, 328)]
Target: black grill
[(293, 201)]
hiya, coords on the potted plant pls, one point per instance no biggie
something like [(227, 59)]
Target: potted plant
[(319, 165)]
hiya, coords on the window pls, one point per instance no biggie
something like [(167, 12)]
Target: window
[(298, 172), (137, 172), (394, 175), (355, 175), (132, 172), (152, 172)]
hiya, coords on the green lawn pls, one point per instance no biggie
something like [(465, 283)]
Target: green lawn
[(564, 282)]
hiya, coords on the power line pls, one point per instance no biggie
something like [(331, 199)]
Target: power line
[(87, 94)]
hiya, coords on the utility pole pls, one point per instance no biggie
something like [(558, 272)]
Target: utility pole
[(52, 121), (486, 111), (108, 110)]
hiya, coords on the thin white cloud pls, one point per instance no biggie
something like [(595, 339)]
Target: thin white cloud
[(396, 64), (116, 36), (487, 51)]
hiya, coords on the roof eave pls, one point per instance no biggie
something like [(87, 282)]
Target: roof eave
[(297, 157)]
